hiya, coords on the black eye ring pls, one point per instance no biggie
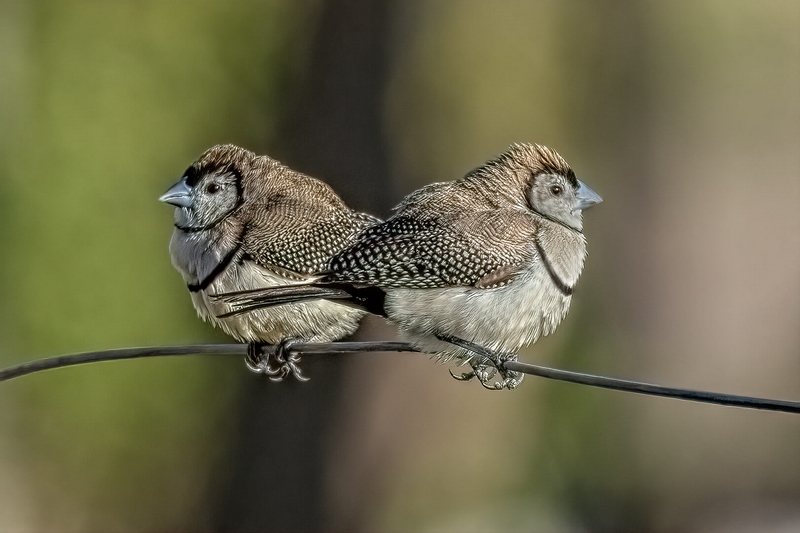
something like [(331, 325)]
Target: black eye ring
[(212, 188), (556, 190)]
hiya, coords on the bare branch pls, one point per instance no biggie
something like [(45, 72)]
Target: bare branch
[(655, 390), (311, 349), (196, 349), (122, 353)]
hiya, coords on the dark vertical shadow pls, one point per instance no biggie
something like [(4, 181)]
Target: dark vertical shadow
[(335, 129), (274, 478)]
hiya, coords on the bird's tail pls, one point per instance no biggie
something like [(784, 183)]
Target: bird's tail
[(370, 299)]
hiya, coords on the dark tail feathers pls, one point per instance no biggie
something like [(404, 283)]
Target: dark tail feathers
[(370, 299)]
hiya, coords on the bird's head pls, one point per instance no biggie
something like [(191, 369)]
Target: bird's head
[(547, 184), (211, 188)]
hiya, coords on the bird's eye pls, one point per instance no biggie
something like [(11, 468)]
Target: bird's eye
[(212, 188), (556, 190)]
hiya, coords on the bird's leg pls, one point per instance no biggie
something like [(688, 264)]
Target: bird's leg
[(489, 363), (288, 361)]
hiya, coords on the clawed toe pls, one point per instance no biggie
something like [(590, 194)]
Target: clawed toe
[(510, 381), (255, 359), (485, 379), (464, 376), (484, 371)]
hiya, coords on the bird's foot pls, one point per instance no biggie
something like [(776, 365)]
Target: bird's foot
[(488, 364), (276, 363), (508, 378), (511, 379)]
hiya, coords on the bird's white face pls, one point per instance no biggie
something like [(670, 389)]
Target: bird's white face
[(555, 197), (203, 202)]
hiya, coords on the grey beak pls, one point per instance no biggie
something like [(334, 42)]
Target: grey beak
[(586, 197), (179, 195)]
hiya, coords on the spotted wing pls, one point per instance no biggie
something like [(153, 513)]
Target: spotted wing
[(484, 249), (297, 245)]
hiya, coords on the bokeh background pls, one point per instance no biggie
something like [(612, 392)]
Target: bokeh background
[(684, 116)]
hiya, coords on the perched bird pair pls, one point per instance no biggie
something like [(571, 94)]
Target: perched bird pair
[(472, 269)]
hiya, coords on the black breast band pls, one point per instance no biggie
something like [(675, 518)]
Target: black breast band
[(565, 289)]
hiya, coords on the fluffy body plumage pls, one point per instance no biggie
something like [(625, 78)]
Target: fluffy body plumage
[(246, 222)]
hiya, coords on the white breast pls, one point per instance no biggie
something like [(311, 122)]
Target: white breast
[(315, 321), (502, 319)]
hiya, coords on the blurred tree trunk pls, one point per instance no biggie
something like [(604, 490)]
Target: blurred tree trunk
[(277, 468)]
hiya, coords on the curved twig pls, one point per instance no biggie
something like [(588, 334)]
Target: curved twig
[(304, 349)]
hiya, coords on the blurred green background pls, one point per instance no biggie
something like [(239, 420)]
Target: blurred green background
[(684, 116)]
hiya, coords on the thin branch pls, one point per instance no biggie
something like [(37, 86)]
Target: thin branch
[(304, 349), (649, 389), (196, 349), (122, 353)]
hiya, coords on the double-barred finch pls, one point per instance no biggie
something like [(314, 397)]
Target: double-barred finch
[(244, 222), (488, 260)]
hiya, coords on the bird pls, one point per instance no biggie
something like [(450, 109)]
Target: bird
[(245, 221), (473, 269)]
